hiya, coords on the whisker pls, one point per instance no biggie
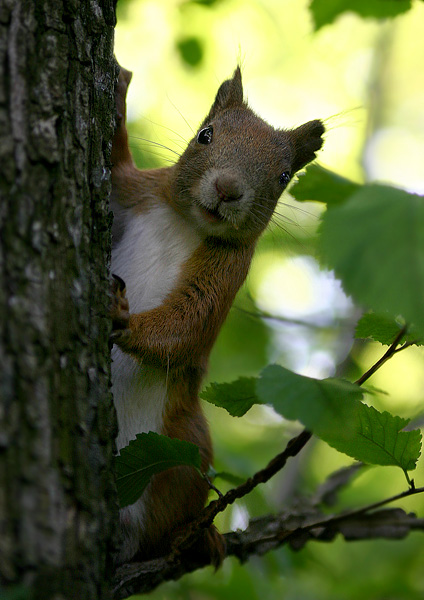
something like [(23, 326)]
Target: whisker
[(153, 143), (165, 127), (179, 145), (342, 118), (299, 209), (181, 115), (294, 207), (273, 221), (161, 156)]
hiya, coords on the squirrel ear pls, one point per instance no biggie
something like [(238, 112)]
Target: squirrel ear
[(230, 94), (305, 141)]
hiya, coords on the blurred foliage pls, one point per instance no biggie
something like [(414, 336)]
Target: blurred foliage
[(191, 50), (326, 11), (384, 218), (17, 592), (362, 75)]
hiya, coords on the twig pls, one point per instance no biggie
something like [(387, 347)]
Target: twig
[(365, 509), (261, 314), (390, 352), (212, 486), (208, 514)]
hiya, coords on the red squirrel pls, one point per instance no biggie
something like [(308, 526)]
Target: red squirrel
[(183, 240)]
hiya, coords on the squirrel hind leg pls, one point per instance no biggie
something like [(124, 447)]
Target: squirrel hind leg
[(208, 549), (215, 545)]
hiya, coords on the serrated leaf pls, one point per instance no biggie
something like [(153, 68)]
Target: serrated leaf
[(382, 328), (375, 244), (321, 185), (321, 405), (326, 11), (382, 440), (378, 327), (236, 397), (331, 408), (148, 454)]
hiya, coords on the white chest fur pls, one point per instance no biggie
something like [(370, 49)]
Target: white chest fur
[(148, 257)]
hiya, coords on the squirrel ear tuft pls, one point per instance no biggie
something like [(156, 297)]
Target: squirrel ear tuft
[(305, 141), (230, 94)]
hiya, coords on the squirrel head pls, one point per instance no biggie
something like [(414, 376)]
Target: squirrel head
[(230, 177)]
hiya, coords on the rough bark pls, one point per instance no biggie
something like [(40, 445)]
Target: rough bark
[(57, 498)]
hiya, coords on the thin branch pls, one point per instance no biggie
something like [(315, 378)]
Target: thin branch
[(208, 514), (365, 509), (407, 345), (390, 352), (261, 314), (256, 314), (271, 531), (212, 486)]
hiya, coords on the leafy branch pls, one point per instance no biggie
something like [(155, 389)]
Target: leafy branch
[(393, 349), (268, 532), (294, 528), (208, 514)]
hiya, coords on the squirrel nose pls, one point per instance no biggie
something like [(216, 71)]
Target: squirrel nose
[(228, 188)]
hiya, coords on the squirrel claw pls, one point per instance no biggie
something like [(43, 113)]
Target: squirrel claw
[(119, 282), (118, 335), (119, 309)]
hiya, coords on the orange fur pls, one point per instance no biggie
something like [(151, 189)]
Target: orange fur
[(181, 331)]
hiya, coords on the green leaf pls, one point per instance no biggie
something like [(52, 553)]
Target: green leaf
[(191, 50), (381, 439), (323, 406), (326, 11), (378, 327), (375, 244), (148, 454), (382, 328), (242, 344), (331, 408), (236, 397), (321, 185)]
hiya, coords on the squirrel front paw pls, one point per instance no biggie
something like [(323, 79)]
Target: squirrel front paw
[(120, 150), (119, 310)]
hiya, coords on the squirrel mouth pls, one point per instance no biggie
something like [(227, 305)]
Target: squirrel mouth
[(212, 214)]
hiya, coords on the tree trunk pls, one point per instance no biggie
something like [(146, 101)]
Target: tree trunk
[(57, 424)]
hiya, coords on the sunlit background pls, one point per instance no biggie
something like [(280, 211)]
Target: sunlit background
[(365, 79)]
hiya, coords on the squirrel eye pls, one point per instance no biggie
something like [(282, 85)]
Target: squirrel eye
[(284, 178), (205, 135)]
